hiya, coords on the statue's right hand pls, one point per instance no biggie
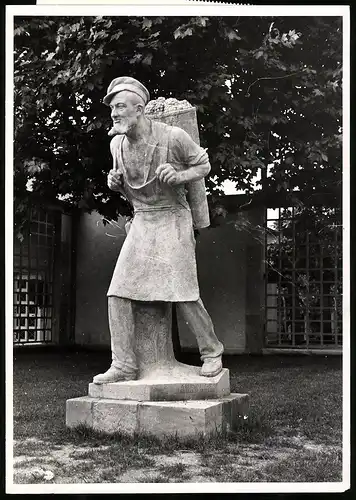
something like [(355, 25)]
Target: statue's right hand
[(115, 180)]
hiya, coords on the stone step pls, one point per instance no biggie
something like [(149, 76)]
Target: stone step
[(177, 385), (162, 419)]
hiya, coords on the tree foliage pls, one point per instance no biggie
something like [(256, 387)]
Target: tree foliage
[(267, 91)]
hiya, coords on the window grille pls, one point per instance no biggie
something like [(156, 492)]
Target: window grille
[(33, 279), (303, 278)]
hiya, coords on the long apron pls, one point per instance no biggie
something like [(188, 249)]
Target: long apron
[(157, 260)]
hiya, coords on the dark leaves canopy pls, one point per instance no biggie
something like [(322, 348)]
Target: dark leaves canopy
[(267, 91)]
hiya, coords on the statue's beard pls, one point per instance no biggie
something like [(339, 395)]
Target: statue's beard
[(122, 127)]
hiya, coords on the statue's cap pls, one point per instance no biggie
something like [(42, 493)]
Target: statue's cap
[(129, 84)]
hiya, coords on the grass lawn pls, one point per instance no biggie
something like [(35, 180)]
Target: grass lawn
[(293, 433)]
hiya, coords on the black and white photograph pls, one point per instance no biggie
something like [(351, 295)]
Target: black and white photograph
[(177, 248)]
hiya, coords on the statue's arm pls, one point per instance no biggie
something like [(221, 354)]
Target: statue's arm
[(191, 159)]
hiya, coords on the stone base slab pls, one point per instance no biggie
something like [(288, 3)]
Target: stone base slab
[(162, 419), (174, 385)]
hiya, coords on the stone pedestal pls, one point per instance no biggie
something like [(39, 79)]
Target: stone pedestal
[(168, 398), (174, 384), (162, 419)]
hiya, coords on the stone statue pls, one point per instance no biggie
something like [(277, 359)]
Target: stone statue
[(154, 165)]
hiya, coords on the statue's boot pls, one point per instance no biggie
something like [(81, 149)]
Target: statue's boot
[(112, 375), (211, 367)]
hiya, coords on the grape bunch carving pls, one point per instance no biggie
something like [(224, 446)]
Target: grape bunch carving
[(162, 106)]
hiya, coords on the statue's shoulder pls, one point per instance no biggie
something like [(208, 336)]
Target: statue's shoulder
[(161, 127), (179, 137), (178, 132), (172, 130)]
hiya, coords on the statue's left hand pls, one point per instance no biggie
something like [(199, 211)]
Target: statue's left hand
[(166, 173)]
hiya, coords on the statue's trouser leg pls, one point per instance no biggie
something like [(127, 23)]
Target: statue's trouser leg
[(199, 322), (122, 330)]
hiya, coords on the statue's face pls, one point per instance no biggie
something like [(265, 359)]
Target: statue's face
[(124, 112)]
